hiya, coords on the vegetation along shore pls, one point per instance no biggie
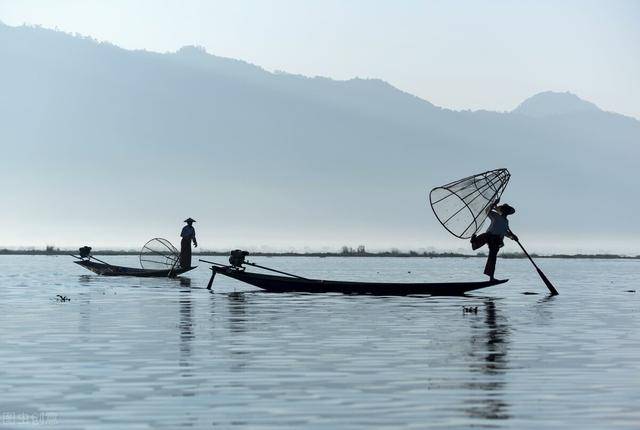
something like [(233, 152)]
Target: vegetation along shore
[(344, 252)]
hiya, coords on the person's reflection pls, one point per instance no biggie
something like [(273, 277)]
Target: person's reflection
[(185, 326), (489, 357), (186, 338)]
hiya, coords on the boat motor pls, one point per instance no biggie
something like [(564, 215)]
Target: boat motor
[(85, 252), (236, 259)]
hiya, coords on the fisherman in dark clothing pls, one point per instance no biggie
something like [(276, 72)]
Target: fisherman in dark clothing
[(494, 236), (188, 234)]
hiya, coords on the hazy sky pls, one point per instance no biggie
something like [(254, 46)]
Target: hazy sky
[(456, 54)]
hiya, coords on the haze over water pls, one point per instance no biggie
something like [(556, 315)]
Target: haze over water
[(160, 353)]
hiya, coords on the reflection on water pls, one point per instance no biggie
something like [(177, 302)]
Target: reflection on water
[(237, 312), (544, 309), (167, 353), (489, 356), (84, 279), (186, 322)]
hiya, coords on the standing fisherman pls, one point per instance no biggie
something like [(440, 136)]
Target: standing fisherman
[(188, 234), (494, 236)]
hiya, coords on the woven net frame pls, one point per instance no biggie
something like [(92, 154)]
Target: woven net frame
[(159, 254), (462, 206)]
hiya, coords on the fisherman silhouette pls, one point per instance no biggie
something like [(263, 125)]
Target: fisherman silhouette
[(494, 236), (188, 234)]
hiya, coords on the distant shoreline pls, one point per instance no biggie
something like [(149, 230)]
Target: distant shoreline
[(390, 254)]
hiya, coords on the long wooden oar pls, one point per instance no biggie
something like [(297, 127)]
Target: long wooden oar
[(544, 278), (91, 257), (257, 265)]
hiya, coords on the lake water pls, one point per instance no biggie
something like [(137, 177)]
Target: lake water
[(162, 353)]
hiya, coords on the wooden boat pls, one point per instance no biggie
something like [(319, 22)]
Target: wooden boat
[(158, 258), (293, 283), (111, 270)]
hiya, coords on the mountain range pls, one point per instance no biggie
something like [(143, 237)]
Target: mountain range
[(107, 146)]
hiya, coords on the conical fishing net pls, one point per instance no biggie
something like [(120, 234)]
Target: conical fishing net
[(159, 254), (462, 206)]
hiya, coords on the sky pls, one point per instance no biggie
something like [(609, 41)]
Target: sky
[(456, 54)]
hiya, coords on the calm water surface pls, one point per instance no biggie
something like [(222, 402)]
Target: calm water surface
[(161, 353)]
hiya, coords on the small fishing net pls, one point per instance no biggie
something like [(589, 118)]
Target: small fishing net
[(159, 254), (462, 206)]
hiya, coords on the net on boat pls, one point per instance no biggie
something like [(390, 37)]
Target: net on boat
[(159, 254), (462, 206)]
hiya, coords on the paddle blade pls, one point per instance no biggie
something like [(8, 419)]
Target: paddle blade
[(548, 283)]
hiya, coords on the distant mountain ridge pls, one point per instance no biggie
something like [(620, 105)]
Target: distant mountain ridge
[(554, 103), (109, 146)]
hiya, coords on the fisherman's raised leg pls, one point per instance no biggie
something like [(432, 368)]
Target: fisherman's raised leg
[(479, 241)]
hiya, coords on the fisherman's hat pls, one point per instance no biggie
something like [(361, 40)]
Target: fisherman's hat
[(506, 209), (189, 220)]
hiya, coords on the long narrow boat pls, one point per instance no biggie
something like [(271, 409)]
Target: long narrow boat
[(111, 270), (282, 284)]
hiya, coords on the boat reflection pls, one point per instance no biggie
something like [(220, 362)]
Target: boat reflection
[(84, 323), (85, 279), (237, 303)]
